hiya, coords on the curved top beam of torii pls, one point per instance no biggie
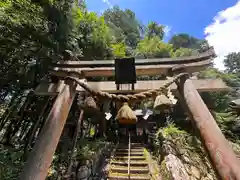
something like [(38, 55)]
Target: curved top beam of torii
[(105, 68), (84, 69), (208, 54)]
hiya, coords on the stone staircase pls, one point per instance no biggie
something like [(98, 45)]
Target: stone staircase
[(138, 165)]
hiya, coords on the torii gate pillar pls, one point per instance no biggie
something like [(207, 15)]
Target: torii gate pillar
[(40, 158), (222, 156)]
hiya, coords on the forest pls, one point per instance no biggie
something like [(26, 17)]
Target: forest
[(34, 34)]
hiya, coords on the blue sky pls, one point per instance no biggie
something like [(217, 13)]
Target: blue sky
[(210, 19), (190, 16)]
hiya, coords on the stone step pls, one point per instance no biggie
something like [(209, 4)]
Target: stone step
[(131, 157), (115, 176), (124, 169), (132, 145), (140, 144), (132, 163), (133, 153), (132, 150)]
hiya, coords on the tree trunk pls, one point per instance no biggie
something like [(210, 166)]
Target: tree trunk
[(9, 112), (11, 105), (33, 131), (25, 130), (75, 138), (81, 128), (26, 103)]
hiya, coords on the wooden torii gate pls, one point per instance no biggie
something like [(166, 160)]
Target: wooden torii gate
[(222, 157)]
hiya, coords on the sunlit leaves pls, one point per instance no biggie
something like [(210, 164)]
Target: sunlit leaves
[(183, 40), (124, 26), (155, 29), (232, 62), (119, 50), (181, 52), (153, 47), (95, 37)]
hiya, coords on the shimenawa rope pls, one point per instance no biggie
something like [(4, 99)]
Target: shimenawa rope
[(125, 98)]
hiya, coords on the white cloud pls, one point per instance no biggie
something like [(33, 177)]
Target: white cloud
[(167, 30), (224, 33), (108, 3)]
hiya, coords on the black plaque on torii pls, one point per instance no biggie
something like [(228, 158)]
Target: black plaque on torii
[(125, 72)]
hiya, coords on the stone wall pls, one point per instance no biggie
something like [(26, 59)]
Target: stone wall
[(181, 156), (92, 168)]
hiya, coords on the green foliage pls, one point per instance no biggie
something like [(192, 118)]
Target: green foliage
[(228, 124), (94, 37), (92, 132), (3, 108), (155, 171), (153, 47), (181, 52), (164, 172), (221, 99), (218, 101), (186, 41), (185, 146), (86, 149), (232, 79), (35, 33), (124, 26), (10, 163), (232, 63), (211, 73), (119, 50), (154, 29), (171, 130), (23, 35)]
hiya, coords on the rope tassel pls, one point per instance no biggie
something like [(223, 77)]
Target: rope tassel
[(126, 115), (162, 102), (90, 103), (91, 110)]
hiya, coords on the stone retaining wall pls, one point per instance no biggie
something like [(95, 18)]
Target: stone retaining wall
[(93, 167)]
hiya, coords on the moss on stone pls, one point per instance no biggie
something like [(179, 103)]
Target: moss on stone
[(188, 149), (172, 130), (154, 170), (164, 171)]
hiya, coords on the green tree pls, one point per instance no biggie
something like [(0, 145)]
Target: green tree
[(37, 32), (124, 26), (232, 62), (94, 36), (153, 47), (24, 38), (154, 29), (181, 52), (216, 100), (221, 99), (186, 41), (119, 50)]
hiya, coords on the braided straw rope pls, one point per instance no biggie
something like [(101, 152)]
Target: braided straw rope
[(129, 97)]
